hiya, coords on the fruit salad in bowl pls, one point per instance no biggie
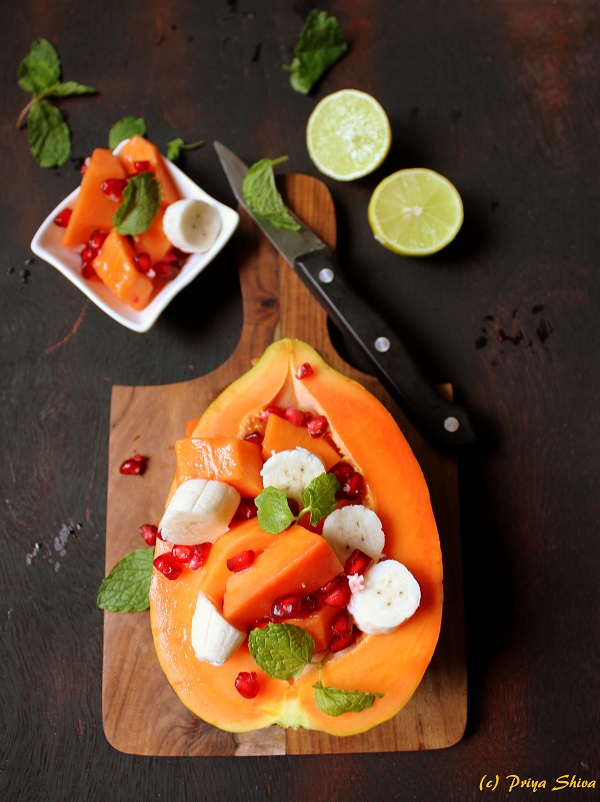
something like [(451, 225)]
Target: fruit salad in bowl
[(134, 233)]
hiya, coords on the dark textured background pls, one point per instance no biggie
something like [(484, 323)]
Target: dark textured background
[(500, 96)]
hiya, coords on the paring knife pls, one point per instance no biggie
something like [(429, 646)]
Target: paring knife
[(315, 263)]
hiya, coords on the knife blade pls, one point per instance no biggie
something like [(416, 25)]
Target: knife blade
[(315, 263)]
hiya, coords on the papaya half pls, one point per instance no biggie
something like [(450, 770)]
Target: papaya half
[(388, 665)]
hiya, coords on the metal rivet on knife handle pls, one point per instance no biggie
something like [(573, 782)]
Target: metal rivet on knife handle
[(451, 424), (382, 344), (326, 275)]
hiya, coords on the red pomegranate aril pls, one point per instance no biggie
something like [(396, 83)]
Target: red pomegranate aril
[(341, 471), (113, 188), (200, 555), (174, 258), (87, 270), (241, 561), (246, 509), (134, 466), (62, 218), (357, 563), (294, 416), (272, 410), (165, 270), (143, 262), (304, 371), (342, 625), (168, 566), (308, 416), (141, 167), (148, 533), (288, 606), (255, 437), (310, 605), (182, 553), (96, 239), (88, 255), (317, 426), (336, 593), (339, 642), (247, 684), (353, 487)]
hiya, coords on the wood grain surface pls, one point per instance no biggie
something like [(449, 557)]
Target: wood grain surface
[(141, 712)]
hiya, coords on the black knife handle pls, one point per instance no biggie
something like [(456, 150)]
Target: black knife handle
[(394, 365)]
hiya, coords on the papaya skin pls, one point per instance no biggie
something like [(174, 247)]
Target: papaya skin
[(391, 664)]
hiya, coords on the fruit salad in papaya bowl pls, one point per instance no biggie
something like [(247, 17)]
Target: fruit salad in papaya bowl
[(134, 233), (297, 570)]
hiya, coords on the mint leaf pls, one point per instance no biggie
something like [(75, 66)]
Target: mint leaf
[(68, 89), (125, 129), (141, 199), (281, 650), (319, 497), (40, 69), (48, 134), (333, 701), (175, 146), (262, 197), (321, 44), (126, 588), (274, 514)]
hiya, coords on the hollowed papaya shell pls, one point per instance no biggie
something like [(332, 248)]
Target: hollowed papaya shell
[(367, 436)]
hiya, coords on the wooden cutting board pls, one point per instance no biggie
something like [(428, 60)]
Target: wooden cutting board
[(141, 713)]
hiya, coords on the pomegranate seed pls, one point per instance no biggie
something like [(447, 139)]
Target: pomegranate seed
[(134, 466), (167, 565), (174, 258), (165, 270), (341, 625), (246, 684), (62, 218), (354, 487), (336, 593), (85, 165), (148, 533), (272, 410), (317, 426), (96, 239), (87, 270), (304, 371), (357, 563), (339, 642), (200, 555), (182, 554), (287, 606), (254, 437), (143, 262), (141, 167), (88, 255), (241, 561), (113, 188), (294, 416), (246, 509), (308, 416), (341, 471)]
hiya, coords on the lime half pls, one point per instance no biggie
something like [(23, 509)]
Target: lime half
[(415, 212), (348, 135)]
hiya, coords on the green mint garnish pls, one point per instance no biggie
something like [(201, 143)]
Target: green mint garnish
[(125, 129), (318, 499), (177, 145), (126, 588), (281, 650), (48, 133), (141, 200), (333, 701), (262, 196), (321, 44)]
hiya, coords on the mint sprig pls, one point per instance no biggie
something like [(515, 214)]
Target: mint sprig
[(318, 500), (262, 196), (177, 145), (320, 45), (334, 701), (125, 128), (48, 133), (126, 588), (141, 200)]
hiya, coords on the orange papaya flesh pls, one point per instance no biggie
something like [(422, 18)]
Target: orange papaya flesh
[(226, 459), (139, 149), (297, 562), (153, 240), (115, 265), (318, 624), (390, 664), (93, 209), (281, 435), (190, 425)]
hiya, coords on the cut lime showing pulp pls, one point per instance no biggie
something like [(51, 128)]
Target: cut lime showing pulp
[(415, 212), (348, 135)]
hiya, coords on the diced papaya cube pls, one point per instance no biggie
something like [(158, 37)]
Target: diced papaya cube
[(298, 561), (153, 240), (93, 209), (281, 435), (246, 535), (227, 459), (139, 149), (116, 267), (318, 624)]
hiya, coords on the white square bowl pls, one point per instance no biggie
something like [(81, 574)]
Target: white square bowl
[(47, 245)]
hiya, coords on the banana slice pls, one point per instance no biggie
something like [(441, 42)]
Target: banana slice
[(200, 510), (214, 640), (191, 225), (354, 527), (390, 594), (292, 471)]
